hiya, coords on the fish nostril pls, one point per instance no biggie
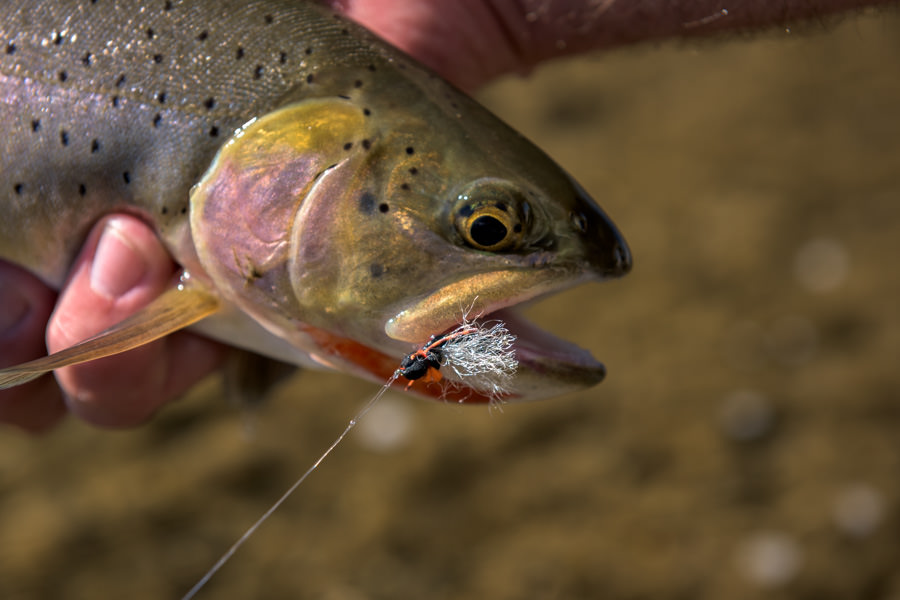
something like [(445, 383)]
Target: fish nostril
[(623, 258), (579, 221)]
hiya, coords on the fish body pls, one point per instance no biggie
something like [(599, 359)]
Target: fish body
[(341, 202)]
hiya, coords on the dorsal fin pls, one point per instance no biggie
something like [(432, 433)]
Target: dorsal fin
[(175, 309)]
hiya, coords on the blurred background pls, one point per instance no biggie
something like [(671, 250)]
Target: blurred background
[(746, 443)]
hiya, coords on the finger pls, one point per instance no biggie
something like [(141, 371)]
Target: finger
[(122, 268), (25, 306)]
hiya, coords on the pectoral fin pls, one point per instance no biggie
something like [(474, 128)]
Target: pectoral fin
[(174, 310)]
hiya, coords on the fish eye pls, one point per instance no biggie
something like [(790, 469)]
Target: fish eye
[(491, 216)]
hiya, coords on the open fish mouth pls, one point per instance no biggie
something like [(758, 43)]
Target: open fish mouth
[(548, 365)]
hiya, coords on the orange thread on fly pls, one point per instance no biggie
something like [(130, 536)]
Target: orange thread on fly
[(481, 356)]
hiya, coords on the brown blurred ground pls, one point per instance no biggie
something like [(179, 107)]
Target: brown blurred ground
[(745, 445)]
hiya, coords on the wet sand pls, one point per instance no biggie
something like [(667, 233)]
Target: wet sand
[(746, 443)]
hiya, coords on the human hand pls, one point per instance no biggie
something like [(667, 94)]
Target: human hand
[(121, 268)]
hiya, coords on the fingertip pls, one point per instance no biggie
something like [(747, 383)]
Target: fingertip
[(120, 269)]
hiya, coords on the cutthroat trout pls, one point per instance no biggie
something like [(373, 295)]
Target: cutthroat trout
[(334, 202)]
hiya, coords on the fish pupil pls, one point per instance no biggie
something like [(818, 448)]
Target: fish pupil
[(488, 231)]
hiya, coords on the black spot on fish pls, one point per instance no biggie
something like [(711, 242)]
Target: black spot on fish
[(121, 80), (309, 78), (343, 97), (95, 146), (371, 68), (466, 211), (35, 125), (202, 35), (213, 131), (161, 97), (269, 19), (82, 190), (282, 58), (86, 59), (345, 31), (209, 103), (257, 72), (239, 53), (10, 48), (367, 112), (518, 228), (17, 188), (164, 210), (63, 76), (157, 119), (63, 137), (348, 145), (404, 186), (252, 275), (366, 144), (358, 83), (167, 5), (413, 171), (115, 101), (410, 150), (308, 51), (126, 177), (157, 58), (150, 33), (500, 206), (183, 210), (57, 38), (383, 207), (367, 202), (376, 269)]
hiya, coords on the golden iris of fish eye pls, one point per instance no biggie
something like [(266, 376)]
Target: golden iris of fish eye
[(491, 219)]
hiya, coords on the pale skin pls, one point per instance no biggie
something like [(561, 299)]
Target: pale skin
[(122, 266)]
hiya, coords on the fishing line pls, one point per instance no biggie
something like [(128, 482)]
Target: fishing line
[(252, 529), (480, 354)]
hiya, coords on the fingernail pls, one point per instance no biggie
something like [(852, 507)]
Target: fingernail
[(118, 265), (14, 308)]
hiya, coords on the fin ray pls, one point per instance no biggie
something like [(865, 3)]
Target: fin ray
[(175, 309)]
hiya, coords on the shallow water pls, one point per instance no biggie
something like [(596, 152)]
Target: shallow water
[(744, 445)]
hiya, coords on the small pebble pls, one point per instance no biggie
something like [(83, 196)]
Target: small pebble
[(858, 510), (747, 415), (769, 559), (821, 265), (387, 426)]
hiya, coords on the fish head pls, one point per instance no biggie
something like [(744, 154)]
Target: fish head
[(358, 226)]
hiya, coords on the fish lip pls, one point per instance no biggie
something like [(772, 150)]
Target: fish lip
[(546, 362)]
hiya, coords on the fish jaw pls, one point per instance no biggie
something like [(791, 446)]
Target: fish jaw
[(547, 365)]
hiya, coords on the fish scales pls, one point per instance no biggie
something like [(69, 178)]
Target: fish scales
[(124, 106)]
